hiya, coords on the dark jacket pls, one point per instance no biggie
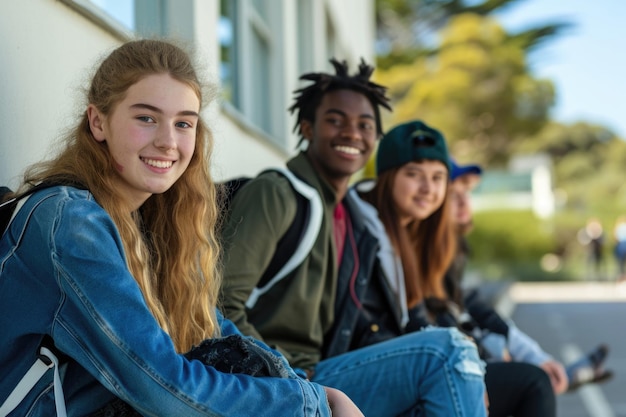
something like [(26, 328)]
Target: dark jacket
[(366, 309), (482, 313), (372, 311), (492, 329), (383, 313)]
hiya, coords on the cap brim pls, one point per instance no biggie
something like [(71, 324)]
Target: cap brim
[(459, 171)]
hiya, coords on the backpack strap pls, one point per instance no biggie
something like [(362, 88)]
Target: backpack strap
[(45, 361), (291, 239), (10, 207), (307, 229)]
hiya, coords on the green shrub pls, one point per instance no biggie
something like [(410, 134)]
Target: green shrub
[(510, 235), (510, 244)]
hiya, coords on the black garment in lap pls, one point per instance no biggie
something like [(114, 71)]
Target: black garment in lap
[(234, 354), (519, 389)]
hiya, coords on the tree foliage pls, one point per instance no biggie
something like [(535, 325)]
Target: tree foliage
[(406, 28), (455, 67), (588, 163), (477, 90)]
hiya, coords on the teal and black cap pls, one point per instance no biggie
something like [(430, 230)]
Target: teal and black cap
[(412, 141)]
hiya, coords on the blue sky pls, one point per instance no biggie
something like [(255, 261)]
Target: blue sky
[(587, 64)]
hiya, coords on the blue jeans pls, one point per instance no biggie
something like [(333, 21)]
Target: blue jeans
[(435, 372)]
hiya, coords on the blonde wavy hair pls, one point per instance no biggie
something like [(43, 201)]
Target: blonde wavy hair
[(171, 246)]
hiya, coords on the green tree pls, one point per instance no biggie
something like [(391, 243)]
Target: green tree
[(589, 162), (455, 67), (406, 28), (477, 89)]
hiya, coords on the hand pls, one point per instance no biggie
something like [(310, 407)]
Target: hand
[(558, 377), (487, 402), (341, 405)]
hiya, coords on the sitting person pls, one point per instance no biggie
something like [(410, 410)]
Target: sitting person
[(436, 372), (505, 341), (407, 210), (113, 263)]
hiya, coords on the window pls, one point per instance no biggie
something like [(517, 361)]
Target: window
[(226, 38), (122, 11), (261, 50), (305, 33), (125, 17), (251, 63)]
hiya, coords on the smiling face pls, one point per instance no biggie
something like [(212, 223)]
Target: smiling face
[(419, 189), (342, 137), (150, 134)]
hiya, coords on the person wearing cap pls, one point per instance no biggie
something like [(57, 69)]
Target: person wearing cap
[(504, 340), (408, 209), (463, 180), (310, 315)]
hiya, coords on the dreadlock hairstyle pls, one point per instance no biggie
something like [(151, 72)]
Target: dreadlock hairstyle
[(308, 98)]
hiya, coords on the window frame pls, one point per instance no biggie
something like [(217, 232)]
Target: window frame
[(250, 25), (100, 17), (157, 18)]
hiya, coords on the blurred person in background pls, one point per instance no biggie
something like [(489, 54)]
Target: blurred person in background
[(619, 251), (505, 341), (592, 236)]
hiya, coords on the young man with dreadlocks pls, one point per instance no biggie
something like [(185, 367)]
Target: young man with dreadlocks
[(436, 372)]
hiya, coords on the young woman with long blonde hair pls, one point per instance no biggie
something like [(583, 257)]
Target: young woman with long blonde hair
[(115, 263)]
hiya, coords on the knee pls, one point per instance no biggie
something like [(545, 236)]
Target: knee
[(542, 385), (461, 351), (469, 358), (543, 392)]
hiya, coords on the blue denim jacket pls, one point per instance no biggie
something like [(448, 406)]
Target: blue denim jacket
[(63, 273)]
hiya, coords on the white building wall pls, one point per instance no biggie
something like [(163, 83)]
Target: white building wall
[(49, 49), (46, 50)]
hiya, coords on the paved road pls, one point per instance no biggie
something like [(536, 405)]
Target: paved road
[(569, 319)]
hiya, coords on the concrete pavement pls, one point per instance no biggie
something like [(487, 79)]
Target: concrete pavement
[(506, 295)]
